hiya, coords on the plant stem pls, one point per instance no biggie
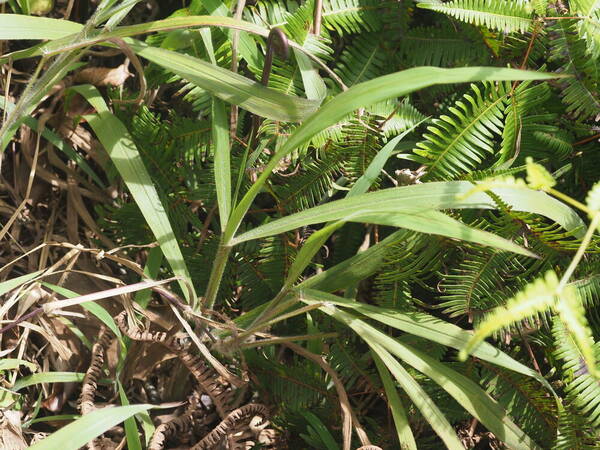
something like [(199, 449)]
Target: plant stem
[(216, 276), (580, 252), (267, 313), (565, 198)]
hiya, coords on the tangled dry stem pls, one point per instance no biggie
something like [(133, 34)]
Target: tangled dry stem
[(236, 422), (239, 428), (90, 381), (210, 382)]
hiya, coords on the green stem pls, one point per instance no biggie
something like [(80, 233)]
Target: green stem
[(268, 312), (216, 276), (267, 322), (580, 252), (565, 198)]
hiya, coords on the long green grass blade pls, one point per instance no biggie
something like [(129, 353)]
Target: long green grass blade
[(425, 326), (122, 150), (368, 93), (416, 199), (48, 377), (131, 432), (86, 428), (362, 185), (9, 285), (419, 397), (17, 26), (405, 435), (97, 310), (321, 430), (220, 137), (354, 269), (13, 363), (465, 391), (229, 86)]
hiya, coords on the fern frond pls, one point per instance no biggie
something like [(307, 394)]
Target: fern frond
[(583, 390), (572, 314), (412, 261), (362, 60), (341, 16), (587, 290), (554, 142), (442, 46), (459, 142), (540, 7), (470, 287), (270, 13), (525, 399), (573, 432), (580, 92), (354, 16), (261, 269), (537, 297), (589, 24), (360, 144), (294, 386), (525, 100), (507, 15), (307, 188)]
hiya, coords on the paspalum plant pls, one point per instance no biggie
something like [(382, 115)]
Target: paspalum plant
[(343, 213)]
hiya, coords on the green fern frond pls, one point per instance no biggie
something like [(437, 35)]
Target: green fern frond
[(294, 386), (540, 7), (270, 13), (298, 27), (573, 431), (507, 15), (362, 60), (470, 287), (310, 185), (442, 46), (261, 269), (459, 142), (572, 314), (525, 100), (341, 16), (482, 175), (286, 78), (354, 16), (536, 297), (414, 260), (515, 45), (554, 141), (396, 117), (525, 399), (593, 197), (360, 144), (587, 290), (580, 92), (583, 390), (589, 24)]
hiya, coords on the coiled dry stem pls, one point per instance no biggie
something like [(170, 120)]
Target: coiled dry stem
[(210, 382), (237, 418), (90, 381)]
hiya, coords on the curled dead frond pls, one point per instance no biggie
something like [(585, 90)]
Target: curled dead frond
[(178, 426), (209, 380), (252, 416), (90, 381)]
